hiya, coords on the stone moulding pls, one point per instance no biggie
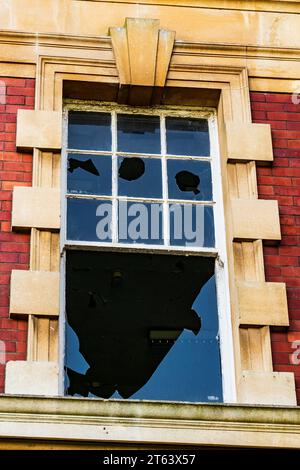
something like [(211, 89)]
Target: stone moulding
[(101, 421)]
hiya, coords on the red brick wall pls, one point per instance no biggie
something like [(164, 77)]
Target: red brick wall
[(15, 169), (281, 181)]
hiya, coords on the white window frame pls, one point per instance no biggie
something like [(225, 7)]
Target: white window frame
[(219, 252)]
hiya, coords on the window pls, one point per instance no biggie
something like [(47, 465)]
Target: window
[(142, 236)]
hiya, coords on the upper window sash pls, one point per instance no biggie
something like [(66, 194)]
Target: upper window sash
[(169, 183)]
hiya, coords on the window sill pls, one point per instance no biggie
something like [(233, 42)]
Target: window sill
[(137, 422)]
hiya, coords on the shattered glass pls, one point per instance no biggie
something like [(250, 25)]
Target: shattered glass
[(139, 177), (189, 179), (142, 326)]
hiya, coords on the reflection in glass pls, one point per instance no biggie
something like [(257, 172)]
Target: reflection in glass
[(139, 177), (89, 220), (140, 222), (89, 174), (187, 136), (74, 359), (189, 179), (89, 131), (191, 371), (191, 225), (138, 133), (135, 318)]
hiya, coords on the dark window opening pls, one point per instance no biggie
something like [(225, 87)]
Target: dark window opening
[(142, 326)]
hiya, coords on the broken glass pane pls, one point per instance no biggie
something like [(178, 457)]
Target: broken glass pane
[(189, 179), (89, 131), (134, 327), (89, 174), (140, 222), (89, 220), (138, 133), (191, 225), (139, 177), (187, 136)]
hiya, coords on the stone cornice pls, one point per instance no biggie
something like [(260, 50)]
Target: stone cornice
[(269, 23), (54, 40), (284, 6), (103, 43)]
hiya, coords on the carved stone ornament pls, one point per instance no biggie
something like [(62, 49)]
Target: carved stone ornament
[(142, 52)]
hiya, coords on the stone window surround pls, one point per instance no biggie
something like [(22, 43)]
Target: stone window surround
[(255, 380)]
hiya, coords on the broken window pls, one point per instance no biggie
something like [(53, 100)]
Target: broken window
[(88, 174), (143, 159), (141, 293), (139, 177), (142, 326)]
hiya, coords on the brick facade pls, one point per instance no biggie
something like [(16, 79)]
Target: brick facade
[(15, 169), (281, 181)]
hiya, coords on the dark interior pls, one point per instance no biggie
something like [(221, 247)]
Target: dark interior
[(127, 310)]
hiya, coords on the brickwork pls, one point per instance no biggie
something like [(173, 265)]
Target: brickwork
[(15, 169), (281, 181)]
